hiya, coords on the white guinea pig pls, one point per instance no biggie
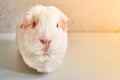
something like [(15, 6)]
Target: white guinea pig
[(42, 38)]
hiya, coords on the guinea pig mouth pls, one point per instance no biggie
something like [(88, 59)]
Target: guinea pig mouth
[(45, 48)]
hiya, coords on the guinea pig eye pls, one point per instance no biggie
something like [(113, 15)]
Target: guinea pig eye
[(34, 24), (57, 25)]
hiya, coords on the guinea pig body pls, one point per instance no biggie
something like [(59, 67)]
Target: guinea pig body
[(42, 38)]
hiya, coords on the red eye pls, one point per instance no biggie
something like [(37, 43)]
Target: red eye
[(34, 24), (57, 25)]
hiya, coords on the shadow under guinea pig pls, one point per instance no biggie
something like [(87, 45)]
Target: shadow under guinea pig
[(11, 60)]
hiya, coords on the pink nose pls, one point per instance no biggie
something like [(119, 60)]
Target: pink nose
[(45, 41)]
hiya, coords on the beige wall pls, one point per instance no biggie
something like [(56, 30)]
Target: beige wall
[(84, 15)]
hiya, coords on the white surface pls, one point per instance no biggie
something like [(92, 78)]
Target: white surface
[(90, 56)]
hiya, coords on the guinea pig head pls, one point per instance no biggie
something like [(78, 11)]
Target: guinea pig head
[(47, 25)]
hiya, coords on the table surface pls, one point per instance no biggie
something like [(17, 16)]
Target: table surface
[(90, 56)]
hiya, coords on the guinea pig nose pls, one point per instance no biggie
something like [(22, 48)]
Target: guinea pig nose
[(45, 41)]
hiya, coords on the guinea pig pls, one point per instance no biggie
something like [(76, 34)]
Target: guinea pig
[(42, 38)]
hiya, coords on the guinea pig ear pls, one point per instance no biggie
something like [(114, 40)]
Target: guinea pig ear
[(29, 21), (63, 22)]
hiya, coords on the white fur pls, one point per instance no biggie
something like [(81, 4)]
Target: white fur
[(28, 39)]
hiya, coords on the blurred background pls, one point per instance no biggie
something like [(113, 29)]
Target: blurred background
[(90, 56), (84, 15)]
